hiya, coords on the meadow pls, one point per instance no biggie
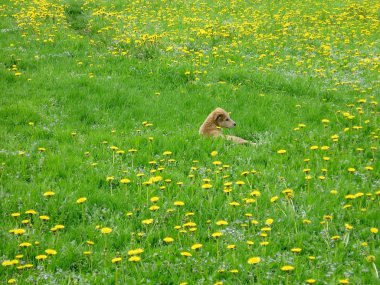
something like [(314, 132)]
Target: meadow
[(104, 178)]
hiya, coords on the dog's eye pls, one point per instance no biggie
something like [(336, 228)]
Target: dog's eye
[(227, 119)]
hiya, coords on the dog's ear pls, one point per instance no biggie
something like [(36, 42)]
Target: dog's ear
[(219, 116)]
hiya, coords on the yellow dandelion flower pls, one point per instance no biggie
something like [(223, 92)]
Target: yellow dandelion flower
[(106, 230), (116, 260), (41, 257), (81, 200), (287, 268), (168, 239), (186, 254), (254, 260), (196, 246), (134, 258), (51, 251)]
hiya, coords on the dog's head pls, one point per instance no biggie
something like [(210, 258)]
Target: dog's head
[(222, 119)]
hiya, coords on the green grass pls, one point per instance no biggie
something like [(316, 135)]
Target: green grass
[(80, 77)]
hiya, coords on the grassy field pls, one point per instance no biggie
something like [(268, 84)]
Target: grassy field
[(104, 178)]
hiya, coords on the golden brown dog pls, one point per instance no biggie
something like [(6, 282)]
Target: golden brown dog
[(214, 123)]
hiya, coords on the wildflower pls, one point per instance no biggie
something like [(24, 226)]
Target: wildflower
[(370, 258), (196, 246), (31, 212), (179, 203), (17, 231), (125, 181), (81, 200), (268, 222), (136, 251), (214, 153), (255, 193), (274, 199), (254, 260), (168, 240), (15, 215), (106, 230), (216, 234), (44, 218), (116, 259), (206, 186), (25, 244), (281, 151), (296, 250), (222, 223), (310, 281), (147, 221), (51, 251), (344, 281), (41, 257), (134, 258), (374, 230), (351, 170), (186, 254), (11, 281), (49, 194), (287, 268)]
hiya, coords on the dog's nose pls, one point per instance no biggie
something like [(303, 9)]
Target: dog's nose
[(234, 124)]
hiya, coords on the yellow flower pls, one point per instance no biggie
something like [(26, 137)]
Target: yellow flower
[(254, 260), (179, 203), (25, 244), (268, 222), (310, 281), (147, 221), (370, 258), (81, 200), (216, 234), (51, 251), (222, 223), (49, 194), (116, 259), (11, 281), (206, 186), (44, 218), (136, 251), (186, 254), (125, 181), (196, 246), (168, 240), (287, 268), (41, 257), (296, 250), (106, 230), (134, 258), (344, 281), (274, 199), (281, 151), (374, 230)]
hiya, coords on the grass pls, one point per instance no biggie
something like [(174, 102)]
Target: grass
[(103, 101)]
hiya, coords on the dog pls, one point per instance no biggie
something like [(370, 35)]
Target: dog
[(215, 121)]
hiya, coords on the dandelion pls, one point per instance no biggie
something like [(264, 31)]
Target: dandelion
[(310, 281), (254, 260), (41, 257), (168, 240), (344, 281), (196, 246), (186, 254), (222, 223), (287, 268), (147, 221), (179, 203), (81, 200), (49, 194), (374, 230), (134, 258), (281, 151), (106, 230), (116, 260), (51, 251)]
